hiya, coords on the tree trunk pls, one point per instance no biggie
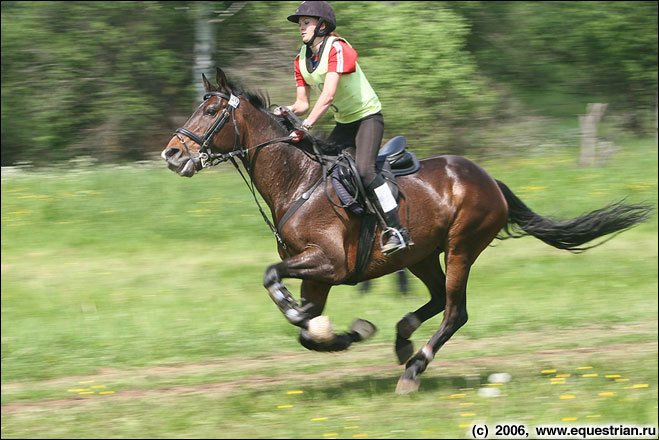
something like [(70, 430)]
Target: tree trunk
[(588, 124), (204, 44)]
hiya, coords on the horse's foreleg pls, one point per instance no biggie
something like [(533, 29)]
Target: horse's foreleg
[(455, 316), (318, 275), (314, 296), (298, 266), (430, 272)]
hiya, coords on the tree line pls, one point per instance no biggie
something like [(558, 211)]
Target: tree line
[(112, 79)]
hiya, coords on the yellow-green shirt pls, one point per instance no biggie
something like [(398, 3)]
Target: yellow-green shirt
[(354, 99)]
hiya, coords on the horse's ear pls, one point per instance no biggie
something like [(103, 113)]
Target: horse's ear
[(222, 80), (207, 85)]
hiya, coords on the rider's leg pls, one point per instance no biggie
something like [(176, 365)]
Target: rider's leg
[(367, 144), (368, 139), (381, 196)]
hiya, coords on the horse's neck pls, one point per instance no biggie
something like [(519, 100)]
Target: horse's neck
[(281, 172)]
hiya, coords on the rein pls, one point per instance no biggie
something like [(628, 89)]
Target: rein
[(207, 158)]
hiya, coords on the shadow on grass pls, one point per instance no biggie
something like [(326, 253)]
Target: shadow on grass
[(340, 388)]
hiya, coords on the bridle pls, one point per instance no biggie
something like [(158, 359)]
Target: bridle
[(206, 157)]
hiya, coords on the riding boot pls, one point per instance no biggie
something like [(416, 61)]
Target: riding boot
[(380, 195)]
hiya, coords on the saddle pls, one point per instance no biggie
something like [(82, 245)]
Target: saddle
[(393, 160)]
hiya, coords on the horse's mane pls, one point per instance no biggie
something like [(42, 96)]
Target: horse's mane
[(260, 100)]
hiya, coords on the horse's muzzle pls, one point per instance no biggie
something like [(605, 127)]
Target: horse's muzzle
[(182, 165)]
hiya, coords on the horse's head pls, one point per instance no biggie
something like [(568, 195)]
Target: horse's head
[(211, 131)]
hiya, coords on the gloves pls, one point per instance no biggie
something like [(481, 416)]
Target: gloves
[(279, 111), (299, 133)]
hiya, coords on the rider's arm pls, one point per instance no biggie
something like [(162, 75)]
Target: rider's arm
[(326, 97), (301, 105)]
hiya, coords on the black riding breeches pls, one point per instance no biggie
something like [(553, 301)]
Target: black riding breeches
[(366, 136)]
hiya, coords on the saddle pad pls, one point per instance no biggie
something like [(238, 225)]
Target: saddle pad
[(344, 195)]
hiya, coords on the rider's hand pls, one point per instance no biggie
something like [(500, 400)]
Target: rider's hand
[(279, 111), (297, 135)]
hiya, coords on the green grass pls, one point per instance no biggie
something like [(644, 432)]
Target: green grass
[(150, 285)]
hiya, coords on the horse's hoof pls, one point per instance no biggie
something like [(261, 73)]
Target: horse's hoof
[(407, 386), (363, 328), (404, 349), (320, 330)]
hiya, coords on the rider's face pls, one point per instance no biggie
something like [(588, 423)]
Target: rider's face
[(307, 27)]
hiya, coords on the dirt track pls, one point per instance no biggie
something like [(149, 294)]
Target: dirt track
[(377, 351)]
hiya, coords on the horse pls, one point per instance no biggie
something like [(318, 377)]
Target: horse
[(454, 207)]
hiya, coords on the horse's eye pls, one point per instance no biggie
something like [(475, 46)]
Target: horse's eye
[(211, 111)]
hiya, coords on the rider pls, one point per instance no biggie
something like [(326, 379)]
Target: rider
[(329, 64)]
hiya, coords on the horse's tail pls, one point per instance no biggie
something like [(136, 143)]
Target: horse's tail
[(570, 234)]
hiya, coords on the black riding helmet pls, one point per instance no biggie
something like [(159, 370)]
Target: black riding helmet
[(322, 10)]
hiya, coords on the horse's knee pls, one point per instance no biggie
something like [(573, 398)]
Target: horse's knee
[(271, 276)]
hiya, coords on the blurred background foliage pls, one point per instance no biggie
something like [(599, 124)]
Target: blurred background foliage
[(113, 80)]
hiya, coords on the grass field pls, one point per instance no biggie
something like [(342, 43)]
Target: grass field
[(132, 306)]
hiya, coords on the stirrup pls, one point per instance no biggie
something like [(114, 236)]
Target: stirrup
[(402, 243)]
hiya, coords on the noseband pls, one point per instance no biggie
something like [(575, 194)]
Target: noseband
[(206, 157)]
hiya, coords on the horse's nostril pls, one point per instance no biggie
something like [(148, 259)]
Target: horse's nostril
[(170, 152)]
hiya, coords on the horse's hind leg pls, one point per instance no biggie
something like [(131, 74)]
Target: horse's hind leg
[(455, 316), (430, 272)]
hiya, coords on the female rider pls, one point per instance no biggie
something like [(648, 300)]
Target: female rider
[(329, 64)]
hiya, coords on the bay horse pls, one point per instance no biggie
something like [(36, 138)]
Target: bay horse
[(455, 207)]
